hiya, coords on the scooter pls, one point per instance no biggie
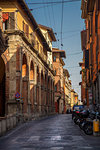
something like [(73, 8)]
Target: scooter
[(88, 123)]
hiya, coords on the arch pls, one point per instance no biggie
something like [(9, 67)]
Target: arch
[(24, 83), (42, 92), (48, 82), (37, 89), (2, 87), (42, 78), (24, 66), (31, 71)]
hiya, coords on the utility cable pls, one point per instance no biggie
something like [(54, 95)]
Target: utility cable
[(62, 22), (74, 54), (74, 67), (56, 2)]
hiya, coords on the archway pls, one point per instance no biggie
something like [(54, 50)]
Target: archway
[(48, 94), (37, 89), (32, 85), (42, 91), (2, 87), (24, 83)]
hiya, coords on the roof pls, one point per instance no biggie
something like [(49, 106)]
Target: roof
[(34, 23), (66, 72), (62, 52), (73, 91), (50, 31)]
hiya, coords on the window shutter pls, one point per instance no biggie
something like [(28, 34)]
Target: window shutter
[(27, 30), (86, 58), (23, 26), (11, 20)]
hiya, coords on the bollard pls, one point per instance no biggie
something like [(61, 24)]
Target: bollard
[(95, 127)]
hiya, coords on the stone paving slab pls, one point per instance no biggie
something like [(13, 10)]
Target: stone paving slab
[(53, 133)]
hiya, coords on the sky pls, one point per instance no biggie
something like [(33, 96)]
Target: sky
[(66, 19)]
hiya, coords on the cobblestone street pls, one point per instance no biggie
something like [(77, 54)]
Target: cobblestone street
[(56, 132)]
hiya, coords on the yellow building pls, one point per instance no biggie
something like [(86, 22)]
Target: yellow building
[(28, 79)]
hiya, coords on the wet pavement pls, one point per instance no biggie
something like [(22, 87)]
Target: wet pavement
[(56, 132)]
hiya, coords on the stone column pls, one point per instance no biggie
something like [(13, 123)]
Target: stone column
[(12, 74), (35, 83), (28, 80), (54, 96), (40, 90), (43, 91)]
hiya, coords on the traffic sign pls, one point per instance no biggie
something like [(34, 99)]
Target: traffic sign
[(17, 95)]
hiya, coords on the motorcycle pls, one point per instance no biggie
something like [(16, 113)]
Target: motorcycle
[(87, 124)]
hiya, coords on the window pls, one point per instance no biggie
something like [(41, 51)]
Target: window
[(55, 71), (8, 20), (26, 29), (55, 88), (23, 26), (54, 58)]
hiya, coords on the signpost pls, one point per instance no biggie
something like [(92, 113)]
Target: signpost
[(17, 95)]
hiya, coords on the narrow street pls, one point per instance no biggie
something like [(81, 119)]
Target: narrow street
[(53, 133)]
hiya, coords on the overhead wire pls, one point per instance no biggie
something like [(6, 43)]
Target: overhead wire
[(74, 54), (71, 54), (45, 14), (73, 67), (54, 27), (62, 22), (56, 2), (49, 16)]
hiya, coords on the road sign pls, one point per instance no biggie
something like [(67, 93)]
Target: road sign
[(17, 95)]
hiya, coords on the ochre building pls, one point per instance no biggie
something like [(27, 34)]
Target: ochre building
[(27, 78)]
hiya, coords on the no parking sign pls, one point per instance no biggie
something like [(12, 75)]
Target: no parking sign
[(17, 95)]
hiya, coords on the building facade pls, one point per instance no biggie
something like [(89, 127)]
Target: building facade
[(68, 88), (58, 64), (91, 14), (27, 78)]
